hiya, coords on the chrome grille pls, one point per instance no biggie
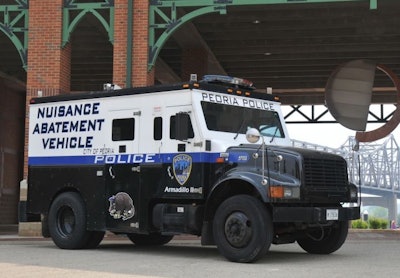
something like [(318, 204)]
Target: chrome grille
[(325, 172)]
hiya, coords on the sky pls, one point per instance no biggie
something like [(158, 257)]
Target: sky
[(330, 135)]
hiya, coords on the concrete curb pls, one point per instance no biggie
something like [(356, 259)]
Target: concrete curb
[(368, 234), (11, 234)]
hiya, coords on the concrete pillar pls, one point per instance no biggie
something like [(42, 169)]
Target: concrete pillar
[(388, 201), (392, 207)]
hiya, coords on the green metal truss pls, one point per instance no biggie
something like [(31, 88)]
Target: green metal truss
[(164, 19), (73, 12), (14, 23)]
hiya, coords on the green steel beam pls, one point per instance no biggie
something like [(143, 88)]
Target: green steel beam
[(198, 3), (170, 25), (15, 26), (70, 22), (163, 16)]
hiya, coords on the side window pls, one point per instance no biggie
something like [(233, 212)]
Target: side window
[(157, 128), (123, 129), (172, 128)]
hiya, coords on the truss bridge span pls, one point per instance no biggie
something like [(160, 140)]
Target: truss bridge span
[(375, 165)]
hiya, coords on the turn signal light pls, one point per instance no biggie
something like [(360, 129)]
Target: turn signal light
[(282, 192), (220, 160), (276, 191)]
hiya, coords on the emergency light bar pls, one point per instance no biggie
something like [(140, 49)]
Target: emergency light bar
[(228, 80)]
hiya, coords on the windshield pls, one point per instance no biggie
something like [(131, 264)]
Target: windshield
[(237, 119)]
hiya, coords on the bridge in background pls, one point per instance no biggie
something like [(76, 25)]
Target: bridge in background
[(374, 168)]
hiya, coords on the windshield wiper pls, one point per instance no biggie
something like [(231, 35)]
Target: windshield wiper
[(240, 127), (276, 129), (241, 124), (273, 136)]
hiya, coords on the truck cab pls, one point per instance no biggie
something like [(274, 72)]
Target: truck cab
[(211, 158)]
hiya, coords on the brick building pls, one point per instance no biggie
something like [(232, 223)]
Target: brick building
[(51, 47), (12, 113), (65, 46)]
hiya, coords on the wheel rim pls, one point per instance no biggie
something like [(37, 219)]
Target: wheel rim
[(238, 230), (66, 221)]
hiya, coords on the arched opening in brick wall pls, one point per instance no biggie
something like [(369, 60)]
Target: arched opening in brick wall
[(10, 61), (12, 118), (91, 56)]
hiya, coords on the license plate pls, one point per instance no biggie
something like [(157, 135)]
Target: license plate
[(332, 214)]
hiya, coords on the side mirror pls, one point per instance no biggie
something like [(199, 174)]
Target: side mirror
[(253, 135)]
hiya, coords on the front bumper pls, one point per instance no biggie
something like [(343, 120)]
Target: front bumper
[(314, 214)]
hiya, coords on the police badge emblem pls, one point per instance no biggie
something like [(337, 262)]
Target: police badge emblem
[(182, 166)]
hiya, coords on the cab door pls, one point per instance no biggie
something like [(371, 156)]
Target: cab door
[(184, 160)]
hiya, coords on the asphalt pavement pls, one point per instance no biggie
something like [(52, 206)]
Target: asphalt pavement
[(365, 254)]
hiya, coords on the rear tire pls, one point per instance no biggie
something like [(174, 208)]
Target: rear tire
[(67, 223), (242, 229), (325, 241)]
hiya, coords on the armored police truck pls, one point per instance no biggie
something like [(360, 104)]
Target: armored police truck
[(209, 158)]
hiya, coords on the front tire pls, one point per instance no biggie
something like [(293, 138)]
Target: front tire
[(325, 240), (242, 229), (67, 223)]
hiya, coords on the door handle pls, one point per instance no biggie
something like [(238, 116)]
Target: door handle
[(111, 172), (169, 173)]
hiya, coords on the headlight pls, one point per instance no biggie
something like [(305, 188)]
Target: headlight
[(353, 193)]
